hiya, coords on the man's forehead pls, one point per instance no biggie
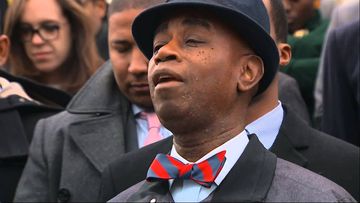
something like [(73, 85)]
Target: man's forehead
[(190, 19)]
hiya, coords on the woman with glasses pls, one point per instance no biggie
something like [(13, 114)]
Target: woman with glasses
[(52, 43), (51, 46)]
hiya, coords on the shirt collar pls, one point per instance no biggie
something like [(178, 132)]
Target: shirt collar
[(136, 109), (267, 126), (234, 148)]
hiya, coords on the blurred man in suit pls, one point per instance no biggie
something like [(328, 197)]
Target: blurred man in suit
[(346, 12), (306, 34), (295, 141), (342, 84)]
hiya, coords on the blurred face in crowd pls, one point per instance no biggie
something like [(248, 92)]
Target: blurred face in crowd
[(129, 64), (96, 10), (298, 13), (283, 48), (268, 8), (46, 34), (197, 63)]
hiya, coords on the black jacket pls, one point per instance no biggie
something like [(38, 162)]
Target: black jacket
[(18, 117), (296, 142), (341, 95)]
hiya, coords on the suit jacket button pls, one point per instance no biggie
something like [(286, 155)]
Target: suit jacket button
[(63, 195), (153, 200)]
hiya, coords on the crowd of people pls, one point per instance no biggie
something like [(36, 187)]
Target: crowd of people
[(179, 100)]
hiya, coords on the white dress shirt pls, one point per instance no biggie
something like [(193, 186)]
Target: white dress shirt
[(188, 190), (267, 126)]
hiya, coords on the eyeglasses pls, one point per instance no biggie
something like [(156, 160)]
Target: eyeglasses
[(47, 31)]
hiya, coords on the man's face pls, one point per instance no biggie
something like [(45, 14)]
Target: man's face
[(272, 28), (129, 64), (298, 13), (283, 48), (192, 74), (96, 10)]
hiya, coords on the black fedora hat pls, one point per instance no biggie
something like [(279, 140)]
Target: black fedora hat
[(248, 17)]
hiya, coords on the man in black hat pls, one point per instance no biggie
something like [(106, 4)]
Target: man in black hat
[(203, 73)]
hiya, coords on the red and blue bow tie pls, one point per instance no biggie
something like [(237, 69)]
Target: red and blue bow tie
[(165, 167)]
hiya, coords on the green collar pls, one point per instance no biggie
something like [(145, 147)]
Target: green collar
[(314, 22)]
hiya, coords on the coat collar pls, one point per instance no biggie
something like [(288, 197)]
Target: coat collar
[(292, 138), (102, 117), (249, 180), (101, 146), (100, 94)]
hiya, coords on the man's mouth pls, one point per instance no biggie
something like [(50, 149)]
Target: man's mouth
[(165, 76), (140, 86)]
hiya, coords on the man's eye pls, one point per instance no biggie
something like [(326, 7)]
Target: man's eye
[(122, 48), (193, 42), (157, 48)]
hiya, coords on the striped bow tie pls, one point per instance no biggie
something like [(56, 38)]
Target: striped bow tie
[(165, 167)]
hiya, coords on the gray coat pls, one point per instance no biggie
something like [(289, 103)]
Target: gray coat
[(70, 150), (289, 93), (257, 176)]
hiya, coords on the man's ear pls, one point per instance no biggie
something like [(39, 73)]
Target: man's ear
[(284, 53), (251, 72), (4, 49)]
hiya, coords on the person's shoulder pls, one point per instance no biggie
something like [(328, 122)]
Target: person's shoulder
[(319, 145), (318, 34), (98, 81), (286, 77), (53, 125), (286, 81), (345, 31), (100, 94), (331, 144), (328, 144), (294, 183)]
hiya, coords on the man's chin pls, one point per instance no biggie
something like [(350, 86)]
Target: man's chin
[(143, 102)]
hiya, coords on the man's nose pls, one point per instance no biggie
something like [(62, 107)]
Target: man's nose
[(167, 52), (138, 63)]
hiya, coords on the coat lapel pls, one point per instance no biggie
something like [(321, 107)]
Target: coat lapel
[(102, 116), (100, 146), (250, 178), (291, 139)]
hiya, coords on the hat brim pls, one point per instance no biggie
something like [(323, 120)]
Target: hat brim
[(259, 40)]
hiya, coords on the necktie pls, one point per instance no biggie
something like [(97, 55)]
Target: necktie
[(165, 167), (153, 128)]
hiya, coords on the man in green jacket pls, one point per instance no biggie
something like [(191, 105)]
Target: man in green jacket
[(306, 35)]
